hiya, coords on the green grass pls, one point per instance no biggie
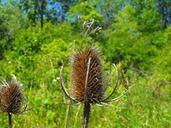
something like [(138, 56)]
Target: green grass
[(140, 108)]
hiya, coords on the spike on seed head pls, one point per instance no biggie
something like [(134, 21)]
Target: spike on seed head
[(94, 89), (11, 97)]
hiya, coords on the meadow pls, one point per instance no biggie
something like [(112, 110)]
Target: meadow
[(34, 43)]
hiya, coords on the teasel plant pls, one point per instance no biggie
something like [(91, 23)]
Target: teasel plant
[(12, 100), (87, 86)]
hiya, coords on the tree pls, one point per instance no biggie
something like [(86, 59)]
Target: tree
[(122, 36), (11, 22), (147, 15), (35, 9), (165, 11), (42, 6)]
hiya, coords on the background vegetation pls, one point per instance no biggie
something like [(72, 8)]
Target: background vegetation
[(36, 36)]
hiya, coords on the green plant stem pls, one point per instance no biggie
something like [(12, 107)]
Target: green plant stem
[(67, 113), (86, 114), (9, 120), (76, 116)]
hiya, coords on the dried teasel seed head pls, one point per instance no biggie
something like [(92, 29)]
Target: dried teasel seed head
[(11, 97), (93, 91)]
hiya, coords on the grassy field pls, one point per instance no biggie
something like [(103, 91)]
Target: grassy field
[(136, 36), (142, 106)]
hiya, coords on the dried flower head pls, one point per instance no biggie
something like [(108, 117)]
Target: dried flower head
[(87, 82), (86, 79), (11, 97)]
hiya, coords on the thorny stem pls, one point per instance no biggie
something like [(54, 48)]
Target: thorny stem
[(86, 114), (9, 120)]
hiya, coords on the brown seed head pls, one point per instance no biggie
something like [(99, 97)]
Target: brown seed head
[(93, 92), (11, 97)]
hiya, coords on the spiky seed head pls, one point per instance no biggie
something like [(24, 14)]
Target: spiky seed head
[(94, 89), (11, 97)]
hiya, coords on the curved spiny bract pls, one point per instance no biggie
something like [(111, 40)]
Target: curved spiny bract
[(11, 97), (92, 90)]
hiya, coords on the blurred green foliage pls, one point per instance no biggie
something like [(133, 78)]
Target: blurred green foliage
[(131, 37)]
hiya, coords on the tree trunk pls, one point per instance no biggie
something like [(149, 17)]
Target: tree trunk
[(41, 13)]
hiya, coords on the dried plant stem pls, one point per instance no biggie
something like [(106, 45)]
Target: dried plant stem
[(86, 114), (9, 120), (89, 27)]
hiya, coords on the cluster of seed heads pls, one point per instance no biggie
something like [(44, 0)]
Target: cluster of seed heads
[(86, 86)]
